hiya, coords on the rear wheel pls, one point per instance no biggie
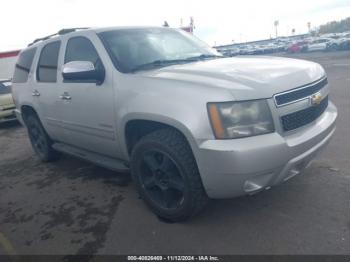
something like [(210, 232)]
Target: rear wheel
[(167, 177), (39, 139)]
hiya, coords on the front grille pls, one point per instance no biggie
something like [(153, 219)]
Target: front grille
[(12, 116), (303, 117), (300, 92), (8, 107)]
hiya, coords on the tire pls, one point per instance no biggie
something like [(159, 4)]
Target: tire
[(39, 139), (166, 175)]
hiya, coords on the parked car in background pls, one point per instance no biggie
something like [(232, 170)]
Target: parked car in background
[(223, 51), (320, 44), (247, 50), (331, 35), (280, 46), (229, 52), (258, 49), (234, 51), (345, 45), (7, 106), (270, 48), (326, 42), (342, 43), (297, 47)]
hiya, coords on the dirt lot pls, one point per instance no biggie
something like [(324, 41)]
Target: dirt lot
[(73, 207)]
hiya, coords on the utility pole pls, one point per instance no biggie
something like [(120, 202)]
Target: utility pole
[(192, 24), (309, 26), (276, 23)]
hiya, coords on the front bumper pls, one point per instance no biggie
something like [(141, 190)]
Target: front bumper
[(7, 115), (19, 116), (231, 168)]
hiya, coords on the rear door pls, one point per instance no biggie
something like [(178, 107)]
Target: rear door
[(88, 114), (46, 90)]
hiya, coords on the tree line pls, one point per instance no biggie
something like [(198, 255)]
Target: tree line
[(335, 26)]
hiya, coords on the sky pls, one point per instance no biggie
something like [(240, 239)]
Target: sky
[(216, 22)]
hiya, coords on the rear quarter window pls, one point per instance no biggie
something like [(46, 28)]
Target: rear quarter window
[(23, 65)]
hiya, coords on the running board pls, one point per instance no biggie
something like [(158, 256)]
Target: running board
[(104, 161)]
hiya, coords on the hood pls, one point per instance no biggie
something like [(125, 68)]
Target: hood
[(6, 100), (244, 77)]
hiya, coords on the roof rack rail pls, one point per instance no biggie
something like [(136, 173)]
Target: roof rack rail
[(60, 32)]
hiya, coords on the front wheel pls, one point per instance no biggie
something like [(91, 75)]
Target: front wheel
[(166, 174)]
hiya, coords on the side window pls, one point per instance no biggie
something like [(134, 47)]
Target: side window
[(47, 66), (81, 49), (23, 65)]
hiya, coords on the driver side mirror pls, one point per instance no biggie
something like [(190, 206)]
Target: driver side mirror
[(82, 71)]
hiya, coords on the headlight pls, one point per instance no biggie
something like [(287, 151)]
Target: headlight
[(240, 119)]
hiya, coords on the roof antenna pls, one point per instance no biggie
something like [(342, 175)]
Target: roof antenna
[(165, 24)]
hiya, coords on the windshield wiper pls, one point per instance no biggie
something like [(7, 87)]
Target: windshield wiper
[(159, 63), (204, 56)]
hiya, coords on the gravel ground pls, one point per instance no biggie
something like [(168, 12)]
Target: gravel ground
[(74, 207)]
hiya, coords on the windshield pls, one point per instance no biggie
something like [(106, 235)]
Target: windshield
[(5, 87), (131, 49)]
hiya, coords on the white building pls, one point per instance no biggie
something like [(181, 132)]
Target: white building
[(7, 64)]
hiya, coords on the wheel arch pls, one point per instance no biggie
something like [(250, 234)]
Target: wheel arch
[(137, 126), (27, 110)]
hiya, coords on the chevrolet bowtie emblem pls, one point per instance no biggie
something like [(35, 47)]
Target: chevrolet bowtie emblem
[(316, 99)]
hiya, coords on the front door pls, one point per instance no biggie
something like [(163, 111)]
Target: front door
[(88, 108)]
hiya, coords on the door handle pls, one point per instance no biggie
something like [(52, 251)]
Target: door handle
[(35, 93), (65, 96)]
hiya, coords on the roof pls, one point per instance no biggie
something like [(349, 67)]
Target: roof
[(9, 54), (104, 29), (86, 29)]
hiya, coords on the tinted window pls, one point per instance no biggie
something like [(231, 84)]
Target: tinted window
[(81, 49), (47, 67), (23, 66), (5, 88)]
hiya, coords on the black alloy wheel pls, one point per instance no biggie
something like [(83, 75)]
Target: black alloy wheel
[(166, 175), (162, 179)]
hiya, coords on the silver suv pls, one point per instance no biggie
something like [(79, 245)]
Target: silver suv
[(189, 123)]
